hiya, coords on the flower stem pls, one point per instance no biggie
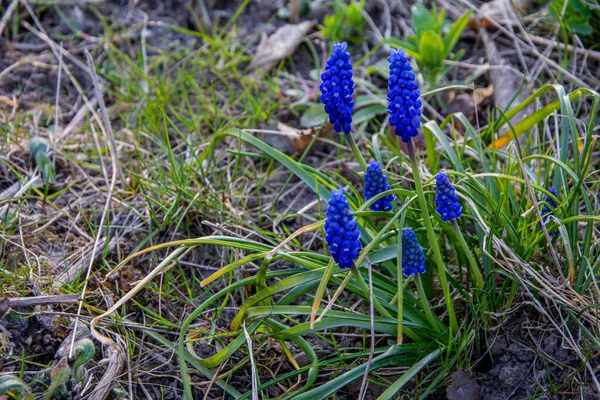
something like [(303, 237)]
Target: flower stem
[(425, 304), (432, 237), (365, 288), (400, 292), (430, 146), (475, 272), (356, 151)]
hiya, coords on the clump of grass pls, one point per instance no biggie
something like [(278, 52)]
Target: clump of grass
[(501, 191)]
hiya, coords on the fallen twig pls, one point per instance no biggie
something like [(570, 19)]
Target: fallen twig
[(43, 300), (8, 303)]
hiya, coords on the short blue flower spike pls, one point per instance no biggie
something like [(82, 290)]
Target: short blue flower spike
[(341, 230), (337, 88), (375, 183), (446, 199), (549, 208), (403, 96), (413, 259)]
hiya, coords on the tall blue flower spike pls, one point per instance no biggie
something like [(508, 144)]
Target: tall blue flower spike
[(551, 205), (341, 231), (446, 199), (337, 88), (375, 183), (413, 259), (403, 96)]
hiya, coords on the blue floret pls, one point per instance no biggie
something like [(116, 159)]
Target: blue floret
[(337, 88), (341, 230), (413, 259), (403, 96), (375, 183), (446, 199), (549, 208)]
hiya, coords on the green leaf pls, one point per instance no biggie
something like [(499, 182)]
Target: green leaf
[(367, 100), (12, 384), (456, 30), (441, 17), (334, 385), (314, 116), (60, 374), (433, 128), (580, 8), (328, 20), (413, 41), (423, 20), (369, 112), (39, 151), (335, 319), (407, 376), (458, 55), (580, 25), (355, 17), (230, 267), (409, 48), (84, 351), (431, 48), (282, 285), (395, 42)]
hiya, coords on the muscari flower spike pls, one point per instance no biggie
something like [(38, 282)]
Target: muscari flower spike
[(446, 199), (337, 88), (547, 210), (375, 183), (403, 96), (341, 230), (413, 259)]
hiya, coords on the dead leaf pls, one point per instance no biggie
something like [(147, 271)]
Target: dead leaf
[(467, 102), (290, 140), (302, 137), (11, 103), (483, 93), (279, 45)]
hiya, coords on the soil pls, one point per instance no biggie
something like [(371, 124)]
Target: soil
[(528, 358)]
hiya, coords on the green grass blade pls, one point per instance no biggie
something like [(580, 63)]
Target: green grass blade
[(408, 375)]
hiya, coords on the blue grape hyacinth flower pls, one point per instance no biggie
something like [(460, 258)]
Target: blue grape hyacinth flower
[(413, 259), (376, 182), (337, 88), (446, 199), (548, 208), (341, 230), (403, 96)]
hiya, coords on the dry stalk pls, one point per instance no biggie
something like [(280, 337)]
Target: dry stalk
[(116, 360), (7, 14), (115, 171), (364, 384), (252, 365), (337, 294)]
